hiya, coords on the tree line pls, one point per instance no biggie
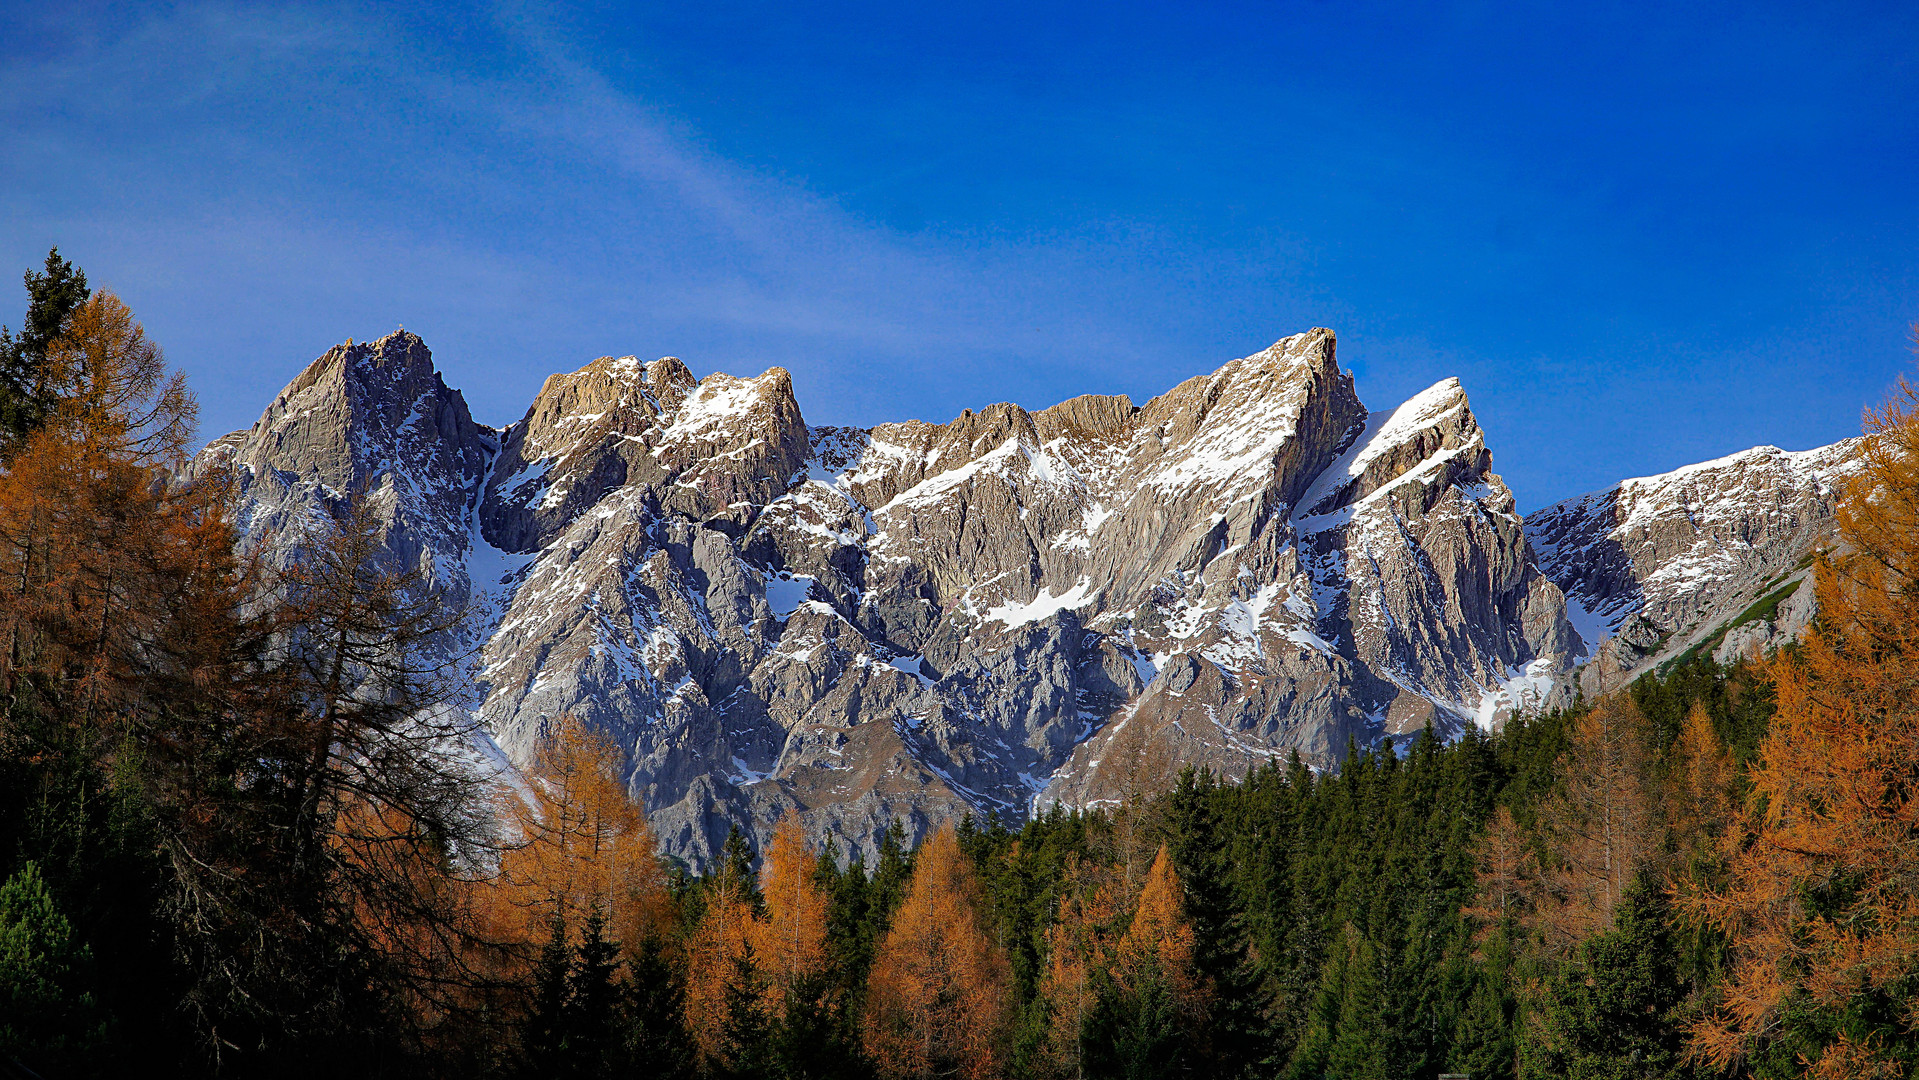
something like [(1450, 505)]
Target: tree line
[(238, 837)]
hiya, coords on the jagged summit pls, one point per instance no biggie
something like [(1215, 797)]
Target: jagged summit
[(920, 621), (1656, 566), (373, 418)]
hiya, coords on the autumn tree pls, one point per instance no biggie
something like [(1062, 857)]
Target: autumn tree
[(1160, 939), (302, 798), (584, 844), (97, 550), (1508, 873), (129, 663), (1600, 822), (791, 941), (937, 999), (1699, 794), (719, 952), (1139, 766), (1079, 947), (1158, 1003), (757, 960), (1822, 906), (323, 840)]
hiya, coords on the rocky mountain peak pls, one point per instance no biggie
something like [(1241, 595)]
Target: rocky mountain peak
[(372, 419), (1711, 557), (1271, 420), (1416, 451), (619, 423), (331, 421), (919, 621)]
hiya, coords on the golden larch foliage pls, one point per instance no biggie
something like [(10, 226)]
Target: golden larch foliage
[(116, 391), (722, 937), (585, 845), (790, 944), (1160, 936), (1508, 872), (787, 943), (938, 996), (1699, 794), (1600, 823), (1823, 901), (1078, 945), (104, 563)]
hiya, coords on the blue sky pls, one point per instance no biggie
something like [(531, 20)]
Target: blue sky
[(1642, 236)]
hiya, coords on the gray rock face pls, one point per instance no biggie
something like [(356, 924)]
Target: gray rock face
[(921, 621), (373, 419), (1657, 567)]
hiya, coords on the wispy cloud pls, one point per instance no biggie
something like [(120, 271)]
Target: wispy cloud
[(271, 180), (261, 181)]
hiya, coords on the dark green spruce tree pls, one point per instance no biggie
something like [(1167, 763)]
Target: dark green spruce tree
[(1608, 1016), (27, 394), (593, 1003), (544, 1039), (48, 1016), (747, 1049), (653, 1037), (1136, 1033)]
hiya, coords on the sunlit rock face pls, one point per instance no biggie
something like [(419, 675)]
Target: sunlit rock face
[(1709, 559), (923, 621)]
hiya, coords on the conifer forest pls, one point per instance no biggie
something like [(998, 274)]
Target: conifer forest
[(231, 844)]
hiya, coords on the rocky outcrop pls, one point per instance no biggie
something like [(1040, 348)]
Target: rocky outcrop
[(1710, 559), (920, 621), (376, 421)]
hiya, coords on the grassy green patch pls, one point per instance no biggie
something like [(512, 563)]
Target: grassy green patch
[(1763, 608), (1766, 606)]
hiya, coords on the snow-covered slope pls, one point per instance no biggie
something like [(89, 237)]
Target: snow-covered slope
[(920, 621), (1657, 566)]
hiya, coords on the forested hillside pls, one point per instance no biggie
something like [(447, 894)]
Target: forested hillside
[(244, 831)]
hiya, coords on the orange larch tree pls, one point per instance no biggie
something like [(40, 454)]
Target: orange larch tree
[(1508, 872), (95, 544), (1160, 941), (790, 943), (1823, 901), (715, 950), (939, 994), (1079, 945), (1600, 823), (1699, 787), (584, 845)]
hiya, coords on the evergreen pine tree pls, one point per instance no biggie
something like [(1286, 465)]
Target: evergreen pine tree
[(46, 1017), (1608, 1016), (545, 1036), (746, 1048), (735, 875), (1136, 1033), (592, 1002), (1483, 1043), (653, 1039), (26, 395), (1345, 1037), (1197, 834), (813, 1040), (891, 876)]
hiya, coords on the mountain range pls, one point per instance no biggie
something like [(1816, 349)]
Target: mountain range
[(1013, 609)]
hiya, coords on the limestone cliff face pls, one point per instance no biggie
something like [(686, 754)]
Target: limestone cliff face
[(372, 419), (920, 621), (1710, 558)]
